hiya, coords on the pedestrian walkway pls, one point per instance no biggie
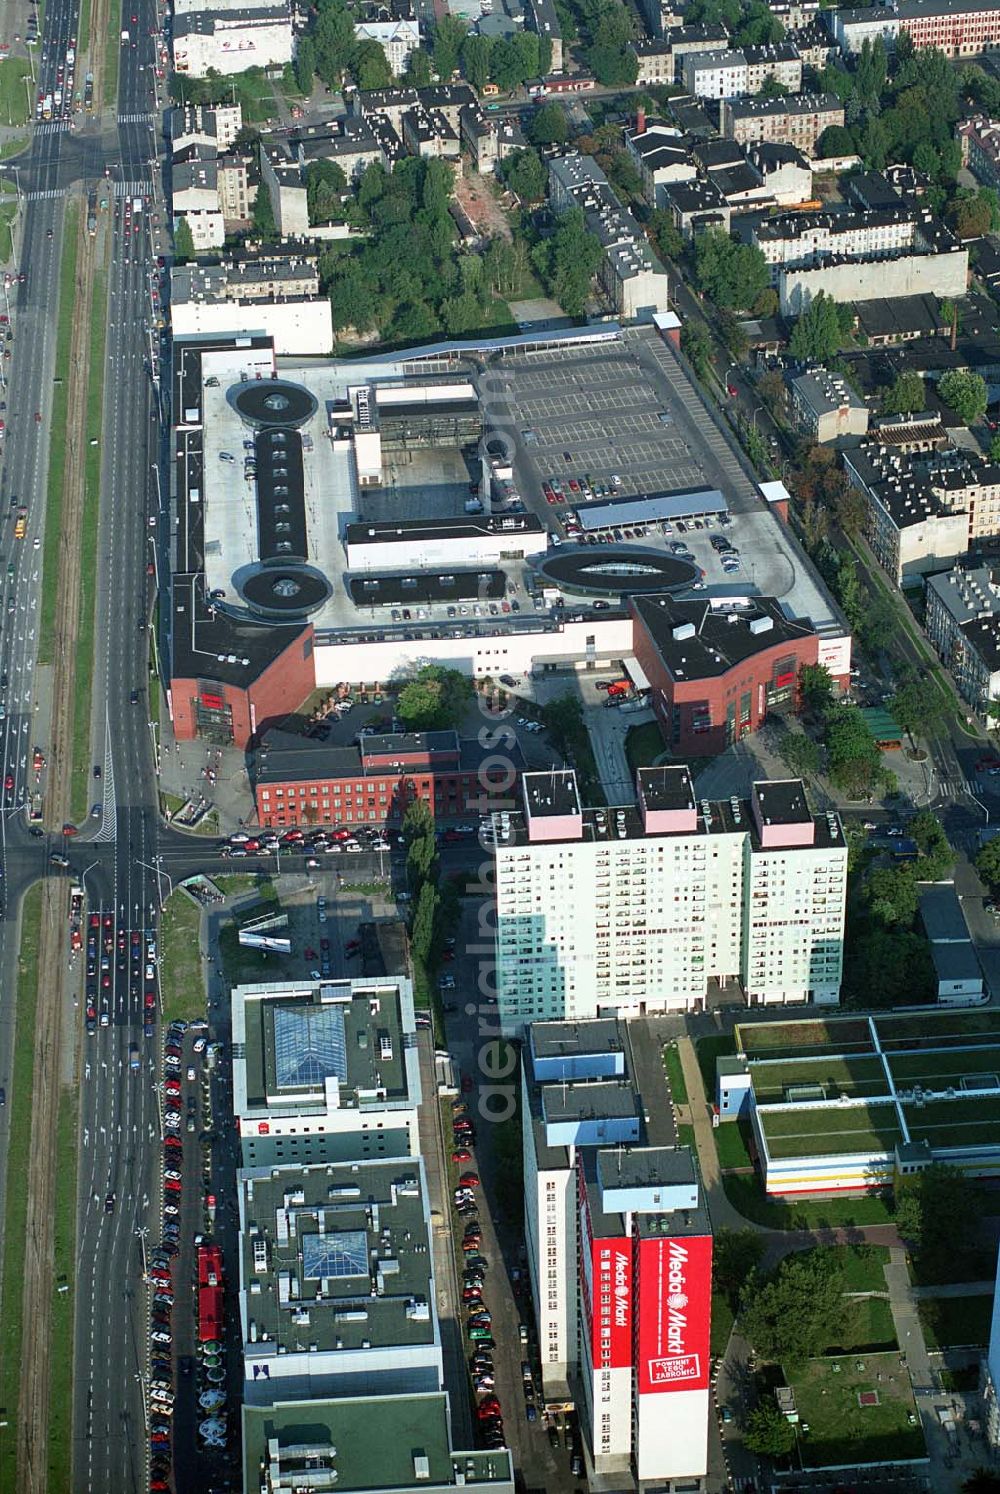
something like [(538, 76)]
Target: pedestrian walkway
[(47, 196)]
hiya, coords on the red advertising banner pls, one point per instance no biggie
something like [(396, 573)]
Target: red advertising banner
[(611, 1326), (675, 1304)]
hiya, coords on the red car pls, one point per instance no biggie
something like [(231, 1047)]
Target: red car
[(461, 1155), (469, 1180), (8, 782)]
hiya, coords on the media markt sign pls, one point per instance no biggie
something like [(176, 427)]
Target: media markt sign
[(674, 1290)]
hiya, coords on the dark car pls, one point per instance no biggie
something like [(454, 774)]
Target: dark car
[(109, 1203)]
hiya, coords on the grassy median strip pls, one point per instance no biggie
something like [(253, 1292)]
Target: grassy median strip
[(19, 1094), (112, 53), (61, 1373), (87, 621), (57, 448)]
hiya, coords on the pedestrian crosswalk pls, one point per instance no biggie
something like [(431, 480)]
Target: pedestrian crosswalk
[(132, 189), (52, 127), (49, 195), (146, 118), (955, 788)]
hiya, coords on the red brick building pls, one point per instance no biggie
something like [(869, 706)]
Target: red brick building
[(717, 669), (302, 782), (230, 680)]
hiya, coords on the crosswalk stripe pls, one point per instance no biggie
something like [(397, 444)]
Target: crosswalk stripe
[(47, 196), (146, 118)]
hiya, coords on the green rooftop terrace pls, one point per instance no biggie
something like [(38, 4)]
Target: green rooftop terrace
[(827, 1130), (858, 1078)]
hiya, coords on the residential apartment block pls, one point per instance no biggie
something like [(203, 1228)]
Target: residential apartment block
[(661, 157), (635, 909), (861, 255), (630, 275), (925, 509), (980, 142), (826, 407), (264, 293), (738, 73), (958, 28), (798, 120), (398, 38), (962, 621), (616, 1232), (325, 1071)]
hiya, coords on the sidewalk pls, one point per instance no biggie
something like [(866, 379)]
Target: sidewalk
[(183, 766)]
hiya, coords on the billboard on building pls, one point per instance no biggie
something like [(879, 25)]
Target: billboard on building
[(611, 1322), (675, 1296)]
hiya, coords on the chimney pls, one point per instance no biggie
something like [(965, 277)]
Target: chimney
[(640, 120)]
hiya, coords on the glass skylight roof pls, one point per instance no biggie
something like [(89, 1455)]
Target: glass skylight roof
[(309, 1045)]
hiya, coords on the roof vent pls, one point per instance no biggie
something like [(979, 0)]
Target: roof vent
[(682, 630)]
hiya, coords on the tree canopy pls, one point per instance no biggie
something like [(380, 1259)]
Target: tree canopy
[(434, 700), (567, 261), (818, 333), (988, 864), (768, 1431), (917, 706), (732, 274), (183, 241), (965, 393), (549, 125), (904, 394), (526, 174), (928, 1204), (799, 1311)]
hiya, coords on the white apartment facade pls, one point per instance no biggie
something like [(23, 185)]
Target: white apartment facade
[(803, 238), (632, 910), (738, 74)]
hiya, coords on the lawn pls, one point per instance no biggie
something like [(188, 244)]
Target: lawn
[(13, 147), (806, 1039), (685, 1136), (255, 93), (839, 1430), (19, 1094), (61, 1369), (973, 1122), (675, 1074), (826, 1131), (708, 1050), (237, 882), (242, 966), (8, 212), (929, 1067), (955, 1322), (57, 449), (746, 1195), (87, 621), (732, 1143), (863, 1266), (182, 984), (869, 1327), (643, 745), (17, 99)]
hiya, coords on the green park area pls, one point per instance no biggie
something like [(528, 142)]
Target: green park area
[(856, 1409)]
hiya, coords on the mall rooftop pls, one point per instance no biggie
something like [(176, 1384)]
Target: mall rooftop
[(364, 1444), (336, 1257)]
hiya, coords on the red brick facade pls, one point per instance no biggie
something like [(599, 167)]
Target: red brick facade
[(203, 707), (380, 798), (700, 717)]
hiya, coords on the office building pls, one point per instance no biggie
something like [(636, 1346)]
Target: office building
[(337, 1282), (325, 1070), (638, 908), (619, 1254), (300, 782)]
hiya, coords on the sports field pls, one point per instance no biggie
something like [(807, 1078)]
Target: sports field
[(789, 1078), (829, 1130)]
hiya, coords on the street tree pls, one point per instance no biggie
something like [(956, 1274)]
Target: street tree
[(305, 64), (799, 754), (732, 274), (815, 688), (696, 345), (418, 68), (817, 335), (892, 895), (917, 707), (449, 36), (936, 855), (988, 864), (665, 236), (768, 1432), (549, 125)]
